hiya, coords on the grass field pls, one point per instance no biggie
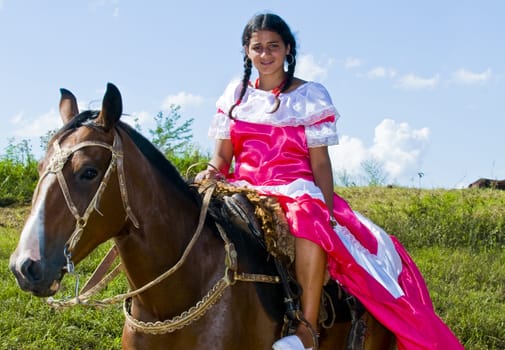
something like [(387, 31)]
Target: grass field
[(456, 237)]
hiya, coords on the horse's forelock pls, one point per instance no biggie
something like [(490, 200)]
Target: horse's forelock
[(83, 118)]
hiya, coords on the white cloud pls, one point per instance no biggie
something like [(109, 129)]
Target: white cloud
[(397, 147), (381, 72), (37, 127), (352, 62), (17, 118), (467, 77), (182, 99), (24, 127), (307, 68), (348, 155), (98, 4), (414, 82)]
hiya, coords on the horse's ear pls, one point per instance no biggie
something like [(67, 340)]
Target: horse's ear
[(112, 107), (68, 105)]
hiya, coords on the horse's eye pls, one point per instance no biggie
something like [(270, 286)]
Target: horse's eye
[(89, 174)]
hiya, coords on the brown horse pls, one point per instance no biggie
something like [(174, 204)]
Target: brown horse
[(102, 180), (488, 183)]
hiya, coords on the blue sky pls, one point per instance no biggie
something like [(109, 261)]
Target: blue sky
[(420, 86)]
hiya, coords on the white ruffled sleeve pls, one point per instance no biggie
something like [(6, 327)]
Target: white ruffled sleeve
[(323, 132), (220, 125)]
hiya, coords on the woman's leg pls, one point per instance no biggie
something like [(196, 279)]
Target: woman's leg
[(310, 266)]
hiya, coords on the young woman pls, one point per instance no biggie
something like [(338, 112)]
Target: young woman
[(277, 130)]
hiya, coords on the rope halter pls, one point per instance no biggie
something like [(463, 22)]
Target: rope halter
[(55, 166)]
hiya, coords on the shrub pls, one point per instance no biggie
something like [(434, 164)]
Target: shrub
[(18, 174)]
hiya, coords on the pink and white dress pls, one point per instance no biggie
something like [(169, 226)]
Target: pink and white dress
[(271, 152)]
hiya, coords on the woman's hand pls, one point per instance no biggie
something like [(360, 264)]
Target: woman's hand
[(220, 162), (209, 174)]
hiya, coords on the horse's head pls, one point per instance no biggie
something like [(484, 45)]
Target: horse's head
[(74, 207)]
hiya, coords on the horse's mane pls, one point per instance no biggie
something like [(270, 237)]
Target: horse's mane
[(155, 157)]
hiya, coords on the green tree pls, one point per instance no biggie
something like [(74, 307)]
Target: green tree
[(44, 140), (171, 135), (20, 152), (344, 178), (374, 172)]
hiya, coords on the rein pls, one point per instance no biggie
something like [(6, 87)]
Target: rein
[(230, 277)]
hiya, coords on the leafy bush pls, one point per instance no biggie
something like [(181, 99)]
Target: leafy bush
[(191, 158), (18, 174)]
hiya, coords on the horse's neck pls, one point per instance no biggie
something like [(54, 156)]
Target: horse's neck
[(168, 220), (145, 258)]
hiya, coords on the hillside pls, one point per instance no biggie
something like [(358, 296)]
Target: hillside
[(456, 237)]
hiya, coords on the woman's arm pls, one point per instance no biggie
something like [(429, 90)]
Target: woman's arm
[(220, 162), (223, 154), (323, 175)]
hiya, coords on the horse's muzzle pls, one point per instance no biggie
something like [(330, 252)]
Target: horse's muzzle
[(34, 276)]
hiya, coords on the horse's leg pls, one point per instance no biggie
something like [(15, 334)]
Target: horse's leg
[(127, 339), (335, 337), (249, 327), (378, 337)]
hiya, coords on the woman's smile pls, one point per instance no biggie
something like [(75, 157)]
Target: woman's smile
[(267, 52)]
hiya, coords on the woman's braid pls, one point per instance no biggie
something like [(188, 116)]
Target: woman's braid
[(245, 82)]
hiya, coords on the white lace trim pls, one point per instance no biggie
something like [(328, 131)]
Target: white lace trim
[(294, 189), (220, 127), (321, 134), (307, 105)]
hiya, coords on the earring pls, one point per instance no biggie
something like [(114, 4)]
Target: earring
[(290, 59)]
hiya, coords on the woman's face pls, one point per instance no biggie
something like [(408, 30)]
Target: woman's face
[(267, 52)]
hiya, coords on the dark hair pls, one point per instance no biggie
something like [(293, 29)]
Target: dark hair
[(273, 23)]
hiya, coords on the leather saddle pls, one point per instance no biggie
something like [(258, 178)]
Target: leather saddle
[(336, 305)]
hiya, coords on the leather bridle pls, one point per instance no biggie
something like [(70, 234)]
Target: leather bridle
[(55, 166)]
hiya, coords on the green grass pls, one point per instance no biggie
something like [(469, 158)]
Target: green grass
[(468, 291), (27, 322), (456, 237)]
